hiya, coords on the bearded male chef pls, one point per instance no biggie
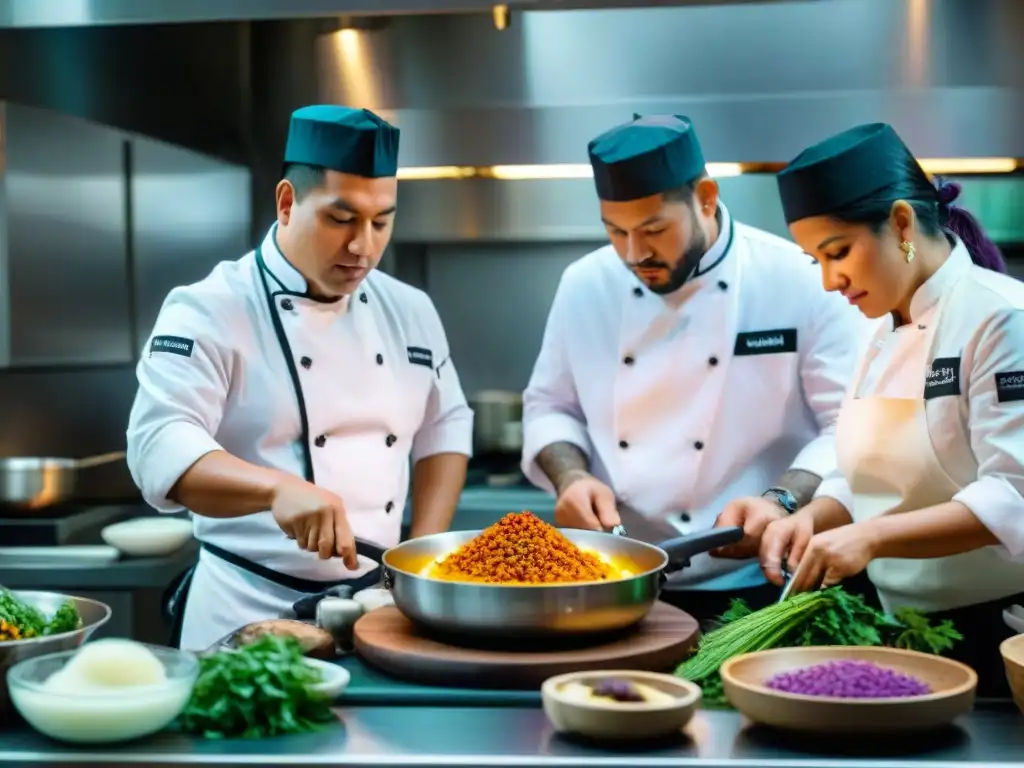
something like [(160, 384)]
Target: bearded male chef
[(281, 398), (692, 367)]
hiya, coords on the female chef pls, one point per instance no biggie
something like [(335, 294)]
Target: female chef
[(929, 491)]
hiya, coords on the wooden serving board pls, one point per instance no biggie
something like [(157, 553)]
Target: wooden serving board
[(387, 640)]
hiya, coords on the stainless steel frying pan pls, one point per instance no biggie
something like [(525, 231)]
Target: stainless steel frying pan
[(538, 610), (33, 482)]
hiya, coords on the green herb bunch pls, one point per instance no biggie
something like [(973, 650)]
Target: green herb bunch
[(827, 617), (255, 691), (31, 622)]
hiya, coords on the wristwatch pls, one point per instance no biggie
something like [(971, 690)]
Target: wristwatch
[(783, 498)]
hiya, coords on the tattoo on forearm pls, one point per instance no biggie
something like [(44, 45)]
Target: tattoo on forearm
[(559, 461), (801, 484)]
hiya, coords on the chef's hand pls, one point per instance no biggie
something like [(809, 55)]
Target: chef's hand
[(585, 502), (753, 515), (832, 556), (785, 539), (315, 518)]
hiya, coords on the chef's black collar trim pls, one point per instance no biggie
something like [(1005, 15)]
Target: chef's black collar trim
[(725, 251), (284, 290)]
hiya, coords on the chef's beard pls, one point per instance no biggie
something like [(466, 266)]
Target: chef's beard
[(684, 268)]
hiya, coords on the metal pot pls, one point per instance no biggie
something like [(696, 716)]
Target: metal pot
[(33, 482), (499, 610), (497, 422), (94, 615)]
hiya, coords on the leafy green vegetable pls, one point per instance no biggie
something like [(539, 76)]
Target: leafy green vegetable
[(828, 617), (255, 691), (22, 621)]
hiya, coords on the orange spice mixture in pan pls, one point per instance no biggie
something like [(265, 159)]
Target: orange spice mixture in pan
[(522, 549)]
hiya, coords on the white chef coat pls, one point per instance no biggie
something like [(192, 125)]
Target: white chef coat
[(963, 353), (684, 403), (378, 387)]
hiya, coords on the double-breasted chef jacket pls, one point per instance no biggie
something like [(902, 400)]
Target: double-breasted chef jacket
[(962, 354), (343, 393), (684, 403)]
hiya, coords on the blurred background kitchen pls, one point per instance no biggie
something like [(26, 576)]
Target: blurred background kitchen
[(141, 143)]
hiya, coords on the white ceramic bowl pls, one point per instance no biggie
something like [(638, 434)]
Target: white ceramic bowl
[(335, 679), (148, 536), (614, 720), (122, 714)]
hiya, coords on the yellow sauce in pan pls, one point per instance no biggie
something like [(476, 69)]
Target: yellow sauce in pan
[(620, 569)]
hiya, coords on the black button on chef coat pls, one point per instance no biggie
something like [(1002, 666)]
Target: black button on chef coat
[(389, 506), (638, 292), (286, 304), (723, 285), (362, 298), (305, 362), (628, 360), (391, 440), (380, 359), (321, 441), (685, 517), (698, 445), (712, 360), (623, 444)]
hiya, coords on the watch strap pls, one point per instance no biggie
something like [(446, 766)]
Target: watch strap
[(783, 498)]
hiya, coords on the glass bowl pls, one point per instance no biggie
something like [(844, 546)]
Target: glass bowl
[(101, 715)]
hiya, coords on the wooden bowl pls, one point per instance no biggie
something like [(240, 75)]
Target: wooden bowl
[(953, 685), (1012, 650), (613, 720)]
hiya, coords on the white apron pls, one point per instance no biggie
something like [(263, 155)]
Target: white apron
[(885, 451)]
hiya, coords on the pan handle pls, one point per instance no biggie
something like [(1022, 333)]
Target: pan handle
[(370, 550), (682, 548)]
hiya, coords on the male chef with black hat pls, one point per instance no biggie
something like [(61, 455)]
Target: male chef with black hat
[(690, 370), (281, 398)]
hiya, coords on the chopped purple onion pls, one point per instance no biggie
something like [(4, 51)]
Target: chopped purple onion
[(848, 680), (619, 690)]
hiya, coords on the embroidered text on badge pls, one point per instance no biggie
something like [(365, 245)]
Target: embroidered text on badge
[(1010, 386), (765, 342), (420, 356), (174, 344), (943, 378)]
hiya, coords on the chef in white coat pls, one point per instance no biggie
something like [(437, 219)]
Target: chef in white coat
[(692, 365), (281, 398), (929, 492)]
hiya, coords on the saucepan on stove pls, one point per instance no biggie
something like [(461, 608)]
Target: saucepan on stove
[(531, 610), (32, 482)]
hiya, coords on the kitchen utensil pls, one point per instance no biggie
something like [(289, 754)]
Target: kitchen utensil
[(334, 680), (94, 615), (1013, 617), (338, 615), (497, 422), (953, 685), (544, 609), (1012, 651), (33, 482), (643, 528), (620, 721), (389, 641), (148, 536), (97, 717)]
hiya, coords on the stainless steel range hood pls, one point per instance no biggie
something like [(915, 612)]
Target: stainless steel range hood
[(84, 13)]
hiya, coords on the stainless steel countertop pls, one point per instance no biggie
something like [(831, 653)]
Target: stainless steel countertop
[(507, 737)]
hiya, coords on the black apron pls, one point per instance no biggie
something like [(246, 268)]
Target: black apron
[(176, 595)]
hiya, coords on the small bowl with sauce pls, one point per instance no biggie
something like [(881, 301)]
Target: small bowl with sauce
[(105, 692), (619, 704)]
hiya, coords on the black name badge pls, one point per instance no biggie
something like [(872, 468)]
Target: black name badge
[(420, 356), (176, 345), (1010, 386), (943, 379), (765, 342)]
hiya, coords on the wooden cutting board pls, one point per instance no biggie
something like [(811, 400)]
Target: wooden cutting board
[(387, 640)]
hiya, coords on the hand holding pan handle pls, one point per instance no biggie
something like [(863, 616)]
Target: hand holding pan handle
[(682, 548), (370, 550)]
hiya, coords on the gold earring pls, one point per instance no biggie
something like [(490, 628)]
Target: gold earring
[(908, 248)]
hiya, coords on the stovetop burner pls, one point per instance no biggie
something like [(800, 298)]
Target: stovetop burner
[(62, 524)]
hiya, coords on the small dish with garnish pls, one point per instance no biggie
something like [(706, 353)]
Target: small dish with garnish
[(619, 704)]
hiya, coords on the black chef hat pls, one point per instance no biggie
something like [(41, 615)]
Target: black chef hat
[(841, 170), (343, 139), (644, 157)]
